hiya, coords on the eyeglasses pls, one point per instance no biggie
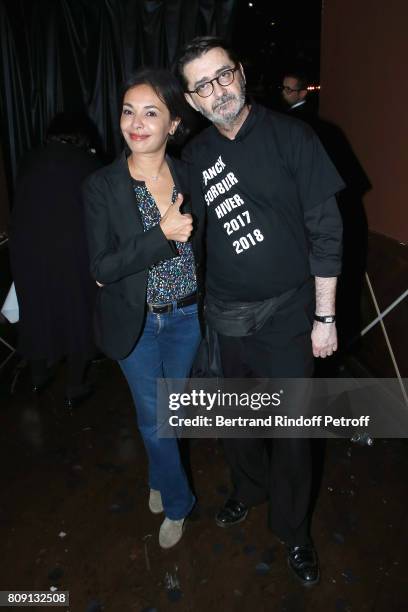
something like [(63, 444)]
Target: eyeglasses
[(206, 89), (287, 89)]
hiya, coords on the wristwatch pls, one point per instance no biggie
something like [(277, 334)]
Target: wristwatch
[(325, 318)]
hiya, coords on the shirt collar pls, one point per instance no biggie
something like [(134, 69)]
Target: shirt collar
[(298, 104)]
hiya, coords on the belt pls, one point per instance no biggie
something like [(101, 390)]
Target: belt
[(163, 308)]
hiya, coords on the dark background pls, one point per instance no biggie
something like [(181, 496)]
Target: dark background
[(72, 55), (275, 36)]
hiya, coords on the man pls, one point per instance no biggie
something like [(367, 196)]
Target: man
[(294, 94), (272, 225)]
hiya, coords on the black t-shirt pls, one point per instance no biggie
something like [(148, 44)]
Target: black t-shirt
[(258, 189)]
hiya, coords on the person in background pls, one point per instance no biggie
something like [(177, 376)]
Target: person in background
[(143, 261), (49, 256), (273, 238), (295, 96)]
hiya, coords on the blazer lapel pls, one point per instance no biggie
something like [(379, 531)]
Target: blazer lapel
[(179, 172), (122, 187)]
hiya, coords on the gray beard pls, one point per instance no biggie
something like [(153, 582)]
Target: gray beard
[(228, 119)]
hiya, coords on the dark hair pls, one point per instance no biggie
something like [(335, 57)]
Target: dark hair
[(168, 89), (300, 75), (73, 128), (198, 47)]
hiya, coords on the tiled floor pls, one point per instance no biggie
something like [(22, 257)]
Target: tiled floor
[(73, 514)]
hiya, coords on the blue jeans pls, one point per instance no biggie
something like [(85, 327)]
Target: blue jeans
[(166, 349)]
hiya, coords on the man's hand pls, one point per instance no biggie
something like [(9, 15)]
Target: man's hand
[(174, 225), (324, 339)]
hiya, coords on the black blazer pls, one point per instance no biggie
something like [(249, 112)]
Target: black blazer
[(121, 252)]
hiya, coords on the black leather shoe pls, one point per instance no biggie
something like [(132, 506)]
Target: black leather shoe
[(304, 563), (232, 513), (71, 402)]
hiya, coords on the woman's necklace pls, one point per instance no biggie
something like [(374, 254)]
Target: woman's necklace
[(154, 177)]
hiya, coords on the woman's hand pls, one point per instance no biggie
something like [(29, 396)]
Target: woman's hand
[(174, 225)]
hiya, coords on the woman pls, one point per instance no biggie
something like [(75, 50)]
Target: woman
[(143, 262), (49, 256)]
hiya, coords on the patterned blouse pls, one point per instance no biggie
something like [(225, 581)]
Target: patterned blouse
[(174, 278)]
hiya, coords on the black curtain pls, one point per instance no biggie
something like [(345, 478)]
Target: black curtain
[(72, 55)]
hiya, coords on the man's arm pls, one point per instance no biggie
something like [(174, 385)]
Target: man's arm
[(317, 182), (324, 229), (324, 335)]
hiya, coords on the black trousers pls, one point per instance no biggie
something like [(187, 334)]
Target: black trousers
[(278, 470), (76, 370)]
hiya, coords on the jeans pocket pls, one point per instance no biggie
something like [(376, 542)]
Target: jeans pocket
[(188, 311)]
